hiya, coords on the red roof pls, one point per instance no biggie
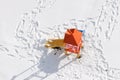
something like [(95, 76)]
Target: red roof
[(73, 37)]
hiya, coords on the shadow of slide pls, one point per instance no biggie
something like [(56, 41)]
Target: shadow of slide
[(48, 64)]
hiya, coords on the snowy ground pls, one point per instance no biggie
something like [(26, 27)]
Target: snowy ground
[(26, 25)]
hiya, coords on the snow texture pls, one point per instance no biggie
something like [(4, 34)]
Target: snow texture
[(31, 36)]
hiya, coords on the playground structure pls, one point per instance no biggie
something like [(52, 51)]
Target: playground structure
[(72, 42)]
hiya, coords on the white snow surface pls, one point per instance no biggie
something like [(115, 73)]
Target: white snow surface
[(22, 52)]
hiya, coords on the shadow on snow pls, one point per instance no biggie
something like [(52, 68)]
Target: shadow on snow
[(48, 64)]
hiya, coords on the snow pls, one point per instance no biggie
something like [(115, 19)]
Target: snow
[(10, 13), (24, 30), (112, 49)]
